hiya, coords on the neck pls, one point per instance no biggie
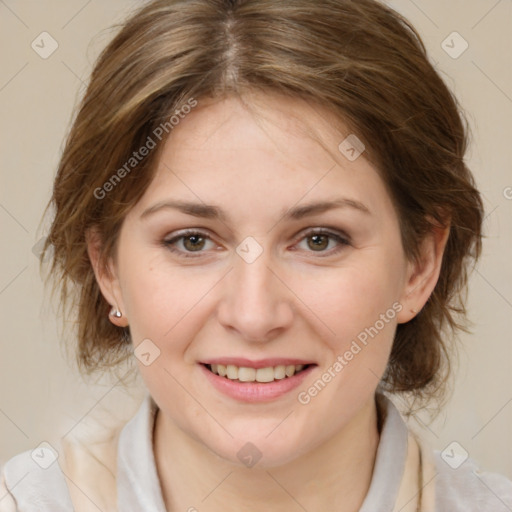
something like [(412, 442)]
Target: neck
[(335, 475)]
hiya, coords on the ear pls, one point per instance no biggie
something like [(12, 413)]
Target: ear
[(423, 274), (106, 277)]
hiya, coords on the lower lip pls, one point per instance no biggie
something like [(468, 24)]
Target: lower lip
[(256, 391)]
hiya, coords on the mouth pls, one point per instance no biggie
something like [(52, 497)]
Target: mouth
[(262, 375), (263, 380), (245, 380)]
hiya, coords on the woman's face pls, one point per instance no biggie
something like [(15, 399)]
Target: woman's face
[(262, 278)]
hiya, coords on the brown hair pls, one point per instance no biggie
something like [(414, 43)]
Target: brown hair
[(359, 59)]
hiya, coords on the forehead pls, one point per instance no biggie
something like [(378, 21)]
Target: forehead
[(256, 120), (261, 150)]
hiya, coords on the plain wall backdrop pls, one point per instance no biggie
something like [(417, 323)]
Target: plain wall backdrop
[(43, 397)]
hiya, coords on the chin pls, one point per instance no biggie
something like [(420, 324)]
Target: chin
[(254, 447), (258, 455)]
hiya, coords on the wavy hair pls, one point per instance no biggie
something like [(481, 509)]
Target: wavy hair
[(360, 59)]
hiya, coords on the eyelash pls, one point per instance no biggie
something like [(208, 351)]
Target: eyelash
[(342, 240)]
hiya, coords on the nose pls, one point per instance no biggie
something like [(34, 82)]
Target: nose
[(255, 302)]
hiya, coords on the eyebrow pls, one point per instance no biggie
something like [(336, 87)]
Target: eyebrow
[(209, 211)]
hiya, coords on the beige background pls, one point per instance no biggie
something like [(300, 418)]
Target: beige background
[(43, 398)]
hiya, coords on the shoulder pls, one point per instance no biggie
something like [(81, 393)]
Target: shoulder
[(465, 487), (70, 473), (33, 480), (57, 479)]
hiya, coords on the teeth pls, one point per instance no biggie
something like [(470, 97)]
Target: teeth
[(245, 374), (279, 372), (231, 372), (290, 370), (264, 374)]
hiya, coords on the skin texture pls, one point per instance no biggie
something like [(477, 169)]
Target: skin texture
[(294, 300)]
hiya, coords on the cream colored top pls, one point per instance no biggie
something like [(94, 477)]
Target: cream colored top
[(121, 474)]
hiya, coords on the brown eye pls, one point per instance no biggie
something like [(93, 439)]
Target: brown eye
[(325, 243), (189, 242), (193, 242), (318, 242)]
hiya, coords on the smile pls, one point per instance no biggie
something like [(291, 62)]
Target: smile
[(247, 374), (255, 381)]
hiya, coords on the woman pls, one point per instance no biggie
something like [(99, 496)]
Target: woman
[(267, 204)]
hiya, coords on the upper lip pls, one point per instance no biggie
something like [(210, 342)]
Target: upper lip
[(260, 363)]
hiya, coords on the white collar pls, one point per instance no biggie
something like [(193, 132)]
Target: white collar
[(138, 486)]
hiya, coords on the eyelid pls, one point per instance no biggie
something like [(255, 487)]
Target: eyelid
[(342, 239), (168, 243), (333, 233), (325, 230)]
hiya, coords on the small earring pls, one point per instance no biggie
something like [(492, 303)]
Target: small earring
[(115, 312), (414, 310)]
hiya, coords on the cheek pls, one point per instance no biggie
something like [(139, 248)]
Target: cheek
[(358, 304), (156, 295), (360, 310), (348, 299), (168, 305), (163, 306)]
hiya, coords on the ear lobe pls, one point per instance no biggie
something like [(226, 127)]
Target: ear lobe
[(423, 274), (106, 277)]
